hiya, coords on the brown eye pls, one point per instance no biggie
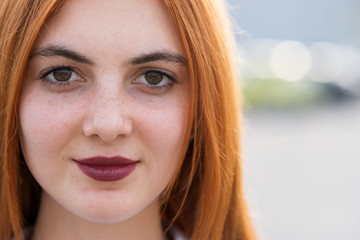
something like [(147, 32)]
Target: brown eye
[(153, 78), (62, 75)]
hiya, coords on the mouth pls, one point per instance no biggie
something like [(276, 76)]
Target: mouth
[(106, 169)]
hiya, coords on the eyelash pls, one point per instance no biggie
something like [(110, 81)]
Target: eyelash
[(45, 78), (163, 74)]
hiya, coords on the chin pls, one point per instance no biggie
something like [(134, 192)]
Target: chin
[(101, 212), (102, 217), (103, 207)]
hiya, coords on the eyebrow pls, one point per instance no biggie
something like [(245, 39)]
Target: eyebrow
[(163, 55), (53, 50), (56, 50)]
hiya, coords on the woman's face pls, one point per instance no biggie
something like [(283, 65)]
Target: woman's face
[(103, 107)]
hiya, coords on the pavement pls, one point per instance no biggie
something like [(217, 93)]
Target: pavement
[(302, 172)]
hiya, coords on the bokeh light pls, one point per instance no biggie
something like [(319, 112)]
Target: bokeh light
[(290, 60)]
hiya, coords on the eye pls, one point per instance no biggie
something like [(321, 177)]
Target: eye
[(155, 79), (60, 75)]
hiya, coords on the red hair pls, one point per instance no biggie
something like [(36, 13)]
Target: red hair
[(205, 197)]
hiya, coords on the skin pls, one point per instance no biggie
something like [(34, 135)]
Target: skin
[(106, 108)]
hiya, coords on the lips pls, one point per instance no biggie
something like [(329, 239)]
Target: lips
[(106, 169)]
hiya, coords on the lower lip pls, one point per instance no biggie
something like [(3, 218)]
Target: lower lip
[(107, 173)]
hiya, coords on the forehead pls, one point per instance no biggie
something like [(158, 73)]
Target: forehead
[(112, 26)]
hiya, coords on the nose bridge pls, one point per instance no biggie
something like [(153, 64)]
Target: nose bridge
[(107, 99), (107, 116)]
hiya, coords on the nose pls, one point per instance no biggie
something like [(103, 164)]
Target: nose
[(107, 117)]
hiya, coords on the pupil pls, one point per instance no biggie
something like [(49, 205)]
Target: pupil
[(62, 75), (153, 77)]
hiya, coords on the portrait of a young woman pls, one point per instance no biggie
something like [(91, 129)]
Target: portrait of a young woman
[(119, 120)]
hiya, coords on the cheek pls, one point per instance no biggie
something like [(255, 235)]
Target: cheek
[(164, 130), (44, 126), (162, 137)]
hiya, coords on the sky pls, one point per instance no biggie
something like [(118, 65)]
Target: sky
[(302, 20)]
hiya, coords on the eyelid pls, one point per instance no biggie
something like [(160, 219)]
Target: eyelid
[(172, 76), (54, 85), (52, 68), (169, 78), (168, 81)]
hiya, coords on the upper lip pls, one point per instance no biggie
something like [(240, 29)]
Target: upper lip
[(106, 161)]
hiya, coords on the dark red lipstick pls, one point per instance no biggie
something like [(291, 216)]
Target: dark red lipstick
[(106, 169)]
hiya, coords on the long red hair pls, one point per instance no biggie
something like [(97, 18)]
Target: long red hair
[(205, 197)]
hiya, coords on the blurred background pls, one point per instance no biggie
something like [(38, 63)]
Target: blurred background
[(300, 67)]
